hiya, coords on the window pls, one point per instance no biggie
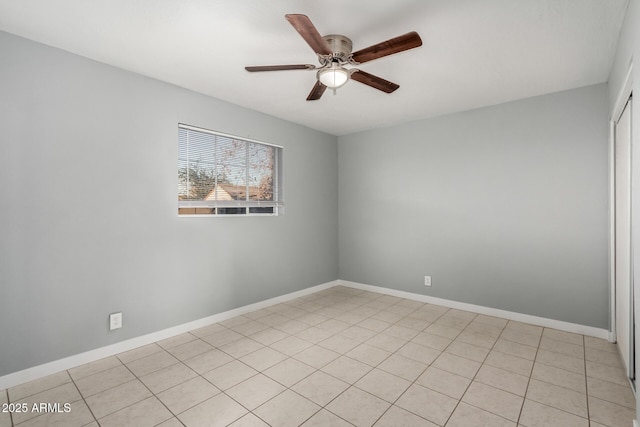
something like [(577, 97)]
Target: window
[(222, 174)]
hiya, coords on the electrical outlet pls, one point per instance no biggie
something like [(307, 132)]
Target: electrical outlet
[(427, 280), (115, 321)]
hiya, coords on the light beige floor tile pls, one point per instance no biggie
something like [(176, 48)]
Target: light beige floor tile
[(456, 365), (4, 397), (491, 320), (443, 331), (5, 419), (255, 391), (509, 363), (208, 361), (368, 354), (569, 349), (491, 399), (479, 340), (418, 352), (524, 328), (316, 356), (444, 382), (347, 369), (320, 387), (291, 345), (563, 336), (128, 356), (188, 394), (403, 367), (515, 349), (398, 417), (401, 332), (207, 330), (189, 349), (65, 393), (104, 380), (114, 399), (600, 344), (535, 414), (504, 380), (241, 347), (171, 422), (429, 404), (469, 351), (324, 418), (100, 365), (263, 359), (249, 420), (312, 319), (484, 329), (222, 337), (387, 316), (383, 385), (401, 309), (274, 319), (560, 377), (610, 414), (268, 336), (452, 322), (249, 328), (219, 411), (603, 356), (287, 409), (314, 335), (230, 374), (607, 373), (469, 416), (561, 361), (339, 344), (167, 377), (611, 392), (520, 337), (289, 371), (333, 326), (357, 333), (426, 316), (79, 415), (292, 327), (33, 387), (358, 407), (413, 323), (386, 342), (432, 341), (152, 363), (149, 412), (558, 397), (176, 340)]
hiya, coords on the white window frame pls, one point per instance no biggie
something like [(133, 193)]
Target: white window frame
[(278, 200)]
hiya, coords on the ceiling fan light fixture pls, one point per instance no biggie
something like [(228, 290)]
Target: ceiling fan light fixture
[(334, 76)]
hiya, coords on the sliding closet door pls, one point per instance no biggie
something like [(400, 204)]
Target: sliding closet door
[(623, 270)]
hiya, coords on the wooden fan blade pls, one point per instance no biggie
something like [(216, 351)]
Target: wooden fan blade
[(317, 91), (303, 25), (374, 81), (280, 67), (389, 47)]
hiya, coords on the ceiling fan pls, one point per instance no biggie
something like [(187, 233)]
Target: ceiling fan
[(334, 52)]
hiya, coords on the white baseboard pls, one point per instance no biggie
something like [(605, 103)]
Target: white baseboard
[(526, 318), (49, 368), (635, 423)]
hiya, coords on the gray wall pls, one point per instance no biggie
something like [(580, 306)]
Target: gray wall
[(88, 158), (504, 206)]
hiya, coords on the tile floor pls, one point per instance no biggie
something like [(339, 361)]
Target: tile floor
[(343, 357)]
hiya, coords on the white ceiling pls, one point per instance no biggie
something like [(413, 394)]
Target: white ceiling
[(475, 52)]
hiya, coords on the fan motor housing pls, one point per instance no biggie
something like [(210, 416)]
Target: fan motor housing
[(340, 46)]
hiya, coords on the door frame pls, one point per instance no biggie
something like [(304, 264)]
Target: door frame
[(619, 106)]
